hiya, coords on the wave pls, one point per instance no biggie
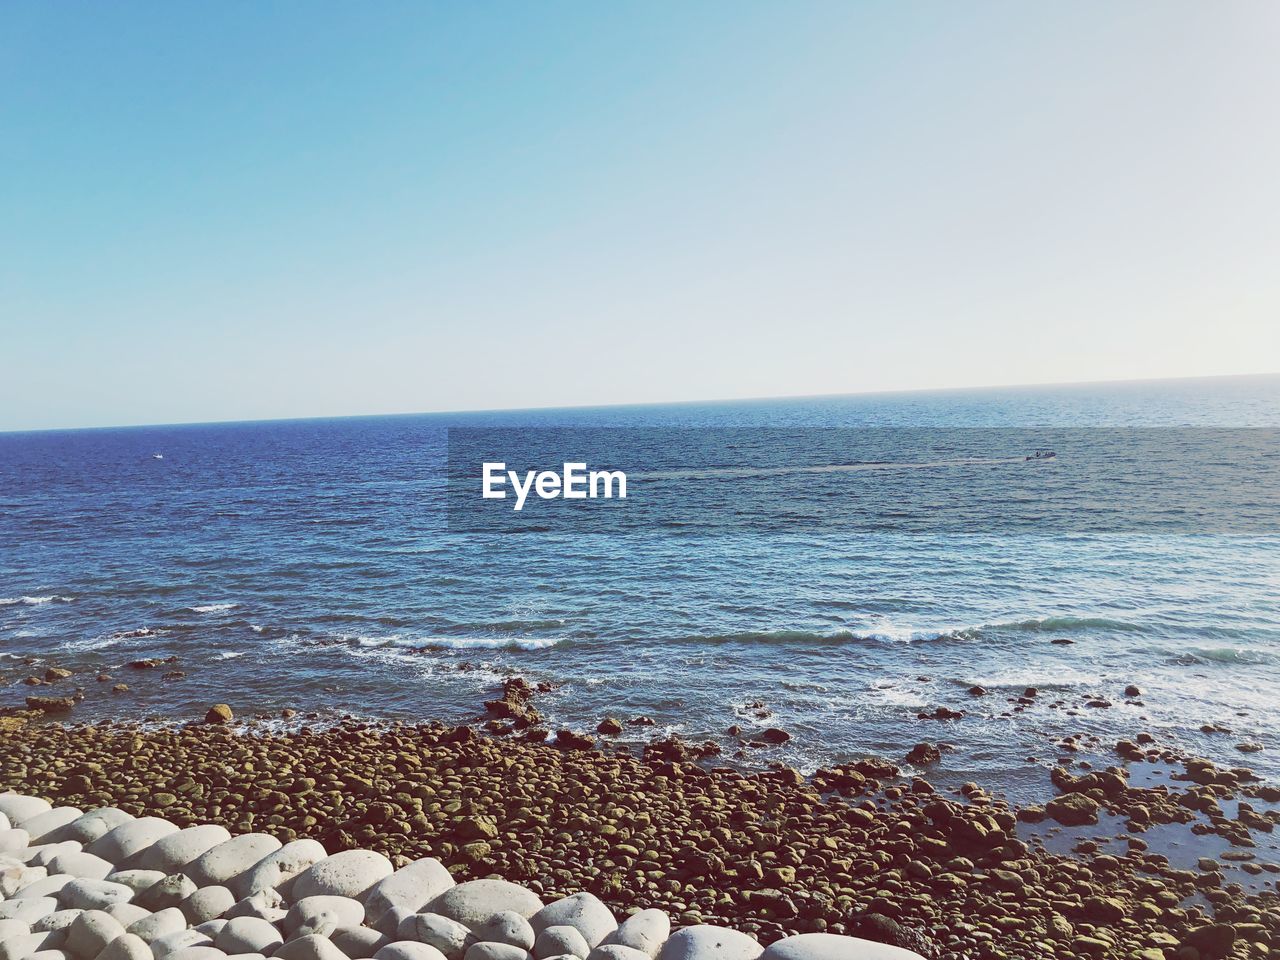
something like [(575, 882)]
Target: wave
[(32, 601), (488, 643), (212, 608), (230, 654), (1231, 655)]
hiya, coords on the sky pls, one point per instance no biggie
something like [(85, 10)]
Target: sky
[(250, 210)]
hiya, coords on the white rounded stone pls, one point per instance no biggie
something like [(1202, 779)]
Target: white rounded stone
[(211, 928), (14, 840), (616, 951), (92, 825), (45, 887), (15, 875), (24, 944), (28, 909), (829, 946), (248, 935), (560, 940), (351, 873), (17, 808), (169, 891), (230, 859), (173, 852), (125, 844), (138, 881), (199, 952), (81, 864), (708, 942), (207, 903), (94, 894), (162, 923), (13, 928), (278, 870), (42, 854), (58, 920), (646, 931), (448, 936), (494, 951), (126, 947), (408, 950), (43, 824), (91, 932), (174, 942), (310, 948), (411, 887), (320, 916), (505, 926), (585, 912), (265, 905), (127, 913), (472, 902), (359, 943)]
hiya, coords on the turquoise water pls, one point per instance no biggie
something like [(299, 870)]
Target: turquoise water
[(312, 564)]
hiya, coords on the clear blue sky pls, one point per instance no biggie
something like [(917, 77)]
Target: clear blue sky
[(237, 210)]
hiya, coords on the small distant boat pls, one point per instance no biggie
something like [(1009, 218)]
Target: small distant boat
[(1041, 455), (157, 456)]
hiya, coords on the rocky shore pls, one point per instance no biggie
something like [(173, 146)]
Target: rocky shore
[(856, 851)]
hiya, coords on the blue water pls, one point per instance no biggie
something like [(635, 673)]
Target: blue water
[(311, 564)]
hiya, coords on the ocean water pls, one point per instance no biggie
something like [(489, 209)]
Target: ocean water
[(316, 565)]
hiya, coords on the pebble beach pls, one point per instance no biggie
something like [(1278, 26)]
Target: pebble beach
[(859, 861)]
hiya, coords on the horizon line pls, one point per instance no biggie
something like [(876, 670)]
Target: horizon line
[(650, 403)]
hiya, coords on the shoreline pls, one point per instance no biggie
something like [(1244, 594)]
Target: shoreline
[(861, 849)]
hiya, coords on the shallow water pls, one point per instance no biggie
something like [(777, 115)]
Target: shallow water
[(311, 564)]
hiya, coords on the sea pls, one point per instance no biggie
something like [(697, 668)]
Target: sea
[(327, 566)]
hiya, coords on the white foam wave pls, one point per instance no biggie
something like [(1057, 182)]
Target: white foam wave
[(32, 601), (212, 607), (488, 643), (230, 654)]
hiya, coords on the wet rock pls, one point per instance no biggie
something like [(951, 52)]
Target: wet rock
[(218, 713), (1073, 809)]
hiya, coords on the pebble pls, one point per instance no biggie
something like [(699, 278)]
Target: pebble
[(322, 915), (91, 932), (359, 943), (310, 948)]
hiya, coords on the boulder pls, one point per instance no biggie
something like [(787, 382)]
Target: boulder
[(13, 840), (359, 943), (126, 913), (17, 808), (471, 902), (559, 941), (41, 825), (494, 951), (58, 920), (169, 891), (175, 942), (27, 909), (31, 888), (202, 951), (219, 713), (265, 905), (163, 923), (127, 946), (24, 944), (92, 825), (616, 951), (13, 928), (585, 912), (411, 887), (172, 853), (310, 948), (708, 942), (125, 844), (828, 946), (84, 894), (351, 873), (83, 865), (248, 935), (90, 934), (505, 926), (207, 903), (278, 870), (136, 880), (1073, 809), (322, 915), (645, 931), (408, 950), (230, 859), (448, 936)]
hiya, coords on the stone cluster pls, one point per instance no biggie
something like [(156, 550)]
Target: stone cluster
[(106, 885)]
